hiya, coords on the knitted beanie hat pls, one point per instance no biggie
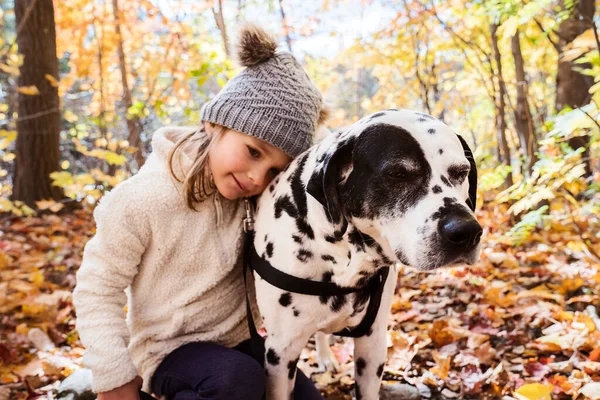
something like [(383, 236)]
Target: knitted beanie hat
[(272, 99)]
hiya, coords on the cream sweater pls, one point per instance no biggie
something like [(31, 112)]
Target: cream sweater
[(178, 271)]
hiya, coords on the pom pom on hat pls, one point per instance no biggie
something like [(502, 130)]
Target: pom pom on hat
[(254, 45)]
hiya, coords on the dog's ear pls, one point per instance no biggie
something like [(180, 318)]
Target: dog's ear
[(323, 185), (472, 173)]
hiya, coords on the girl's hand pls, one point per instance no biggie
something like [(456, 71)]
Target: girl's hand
[(128, 391)]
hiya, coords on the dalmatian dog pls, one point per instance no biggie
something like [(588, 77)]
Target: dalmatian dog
[(394, 187)]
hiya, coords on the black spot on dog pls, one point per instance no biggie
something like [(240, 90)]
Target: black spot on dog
[(297, 239), (285, 299), (369, 191), (449, 203), (270, 249), (272, 357), (284, 203), (271, 188), (298, 188), (296, 312), (327, 257), (358, 392), (421, 120), (370, 332), (431, 131), (349, 255), (401, 257), (361, 364), (304, 255), (305, 228), (441, 151), (360, 300), (380, 370), (446, 181), (333, 239), (376, 115), (338, 302), (437, 189), (292, 368)]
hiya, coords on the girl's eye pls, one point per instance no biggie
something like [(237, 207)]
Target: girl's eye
[(253, 152)]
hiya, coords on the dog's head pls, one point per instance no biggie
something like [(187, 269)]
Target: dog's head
[(408, 177)]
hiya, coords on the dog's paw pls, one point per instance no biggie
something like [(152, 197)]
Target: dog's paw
[(327, 360)]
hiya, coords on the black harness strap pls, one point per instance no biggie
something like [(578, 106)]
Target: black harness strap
[(253, 262)]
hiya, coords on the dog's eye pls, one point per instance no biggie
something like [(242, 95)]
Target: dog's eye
[(397, 173), (458, 174)]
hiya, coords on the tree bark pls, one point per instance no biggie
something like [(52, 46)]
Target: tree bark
[(133, 123), (286, 27), (500, 102), (38, 126), (523, 118), (220, 21), (572, 87)]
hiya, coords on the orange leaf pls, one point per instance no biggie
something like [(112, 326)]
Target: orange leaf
[(29, 90)]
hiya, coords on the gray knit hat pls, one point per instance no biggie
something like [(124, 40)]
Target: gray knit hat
[(272, 99)]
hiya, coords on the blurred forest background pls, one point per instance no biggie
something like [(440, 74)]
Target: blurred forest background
[(84, 83)]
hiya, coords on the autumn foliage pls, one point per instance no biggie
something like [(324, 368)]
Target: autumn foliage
[(519, 80)]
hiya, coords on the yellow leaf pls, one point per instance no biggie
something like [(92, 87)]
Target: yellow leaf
[(70, 116), (22, 329), (51, 205), (535, 391), (52, 80), (4, 260), (29, 90), (6, 138), (61, 179), (33, 310), (37, 278)]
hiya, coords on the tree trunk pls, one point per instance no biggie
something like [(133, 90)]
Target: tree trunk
[(572, 87), (220, 21), (286, 27), (38, 126), (133, 122), (500, 102), (523, 118)]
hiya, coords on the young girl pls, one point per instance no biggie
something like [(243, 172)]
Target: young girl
[(168, 241)]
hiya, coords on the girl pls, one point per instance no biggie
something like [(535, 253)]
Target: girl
[(168, 241)]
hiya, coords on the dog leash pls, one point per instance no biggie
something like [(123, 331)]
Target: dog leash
[(255, 263)]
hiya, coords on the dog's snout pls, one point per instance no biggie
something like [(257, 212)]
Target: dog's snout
[(462, 230)]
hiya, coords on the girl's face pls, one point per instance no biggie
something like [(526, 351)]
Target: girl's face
[(242, 165)]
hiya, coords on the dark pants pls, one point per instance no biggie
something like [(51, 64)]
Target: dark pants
[(205, 370)]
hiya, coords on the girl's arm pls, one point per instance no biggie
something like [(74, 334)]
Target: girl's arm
[(110, 263)]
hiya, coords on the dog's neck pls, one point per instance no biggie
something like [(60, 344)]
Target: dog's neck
[(359, 252)]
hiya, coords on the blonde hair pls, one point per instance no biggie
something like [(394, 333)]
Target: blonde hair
[(198, 184)]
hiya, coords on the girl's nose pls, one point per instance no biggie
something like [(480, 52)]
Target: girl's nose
[(257, 177)]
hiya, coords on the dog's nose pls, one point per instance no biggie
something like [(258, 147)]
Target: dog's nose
[(462, 230)]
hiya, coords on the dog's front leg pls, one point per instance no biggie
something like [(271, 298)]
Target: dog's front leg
[(370, 350), (282, 350)]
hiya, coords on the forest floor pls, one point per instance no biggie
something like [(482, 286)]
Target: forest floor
[(523, 323)]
